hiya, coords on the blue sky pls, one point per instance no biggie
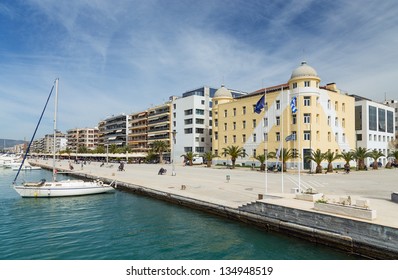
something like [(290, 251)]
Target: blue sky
[(123, 56)]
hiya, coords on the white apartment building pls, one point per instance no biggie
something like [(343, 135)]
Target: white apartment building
[(374, 126), (393, 104)]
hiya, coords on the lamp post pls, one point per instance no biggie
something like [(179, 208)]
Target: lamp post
[(173, 173), (107, 150)]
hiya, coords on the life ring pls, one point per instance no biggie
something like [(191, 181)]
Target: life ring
[(100, 183)]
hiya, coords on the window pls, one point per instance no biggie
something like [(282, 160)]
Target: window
[(336, 137), (225, 139), (254, 123), (225, 126), (244, 138), (358, 117), (307, 100), (188, 112), (265, 122), (307, 135), (254, 152), (187, 121), (243, 124), (336, 121), (343, 107), (278, 120), (306, 83), (343, 138), (199, 130), (307, 118), (390, 122), (294, 85), (278, 136), (254, 137), (278, 104), (199, 121), (225, 113), (336, 106), (234, 111), (187, 149), (329, 104), (294, 119), (234, 138), (234, 125), (216, 122), (202, 102), (382, 119), (329, 136), (200, 111), (265, 136), (244, 110), (174, 106), (359, 137), (200, 149), (215, 135), (372, 118), (343, 122), (188, 130), (329, 120)]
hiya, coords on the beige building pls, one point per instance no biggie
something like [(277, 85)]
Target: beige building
[(138, 132), (82, 137), (324, 119)]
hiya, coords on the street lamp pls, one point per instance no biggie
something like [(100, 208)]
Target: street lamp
[(173, 173)]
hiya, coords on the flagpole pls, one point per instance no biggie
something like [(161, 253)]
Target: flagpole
[(299, 137), (266, 151), (282, 138)]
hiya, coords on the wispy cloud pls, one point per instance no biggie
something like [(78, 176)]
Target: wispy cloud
[(122, 56)]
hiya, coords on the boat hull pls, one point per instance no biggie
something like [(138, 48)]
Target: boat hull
[(62, 189)]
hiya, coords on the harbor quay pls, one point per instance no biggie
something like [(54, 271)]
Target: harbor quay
[(268, 200)]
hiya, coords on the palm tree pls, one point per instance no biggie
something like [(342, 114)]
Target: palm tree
[(317, 157), (394, 154), (285, 155), (347, 157), (375, 155), (113, 149), (189, 157), (160, 147), (261, 159), (330, 157), (360, 154), (234, 152), (208, 156)]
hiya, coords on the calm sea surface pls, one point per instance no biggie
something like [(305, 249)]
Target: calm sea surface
[(126, 226)]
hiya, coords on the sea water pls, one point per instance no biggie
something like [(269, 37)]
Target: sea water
[(126, 226)]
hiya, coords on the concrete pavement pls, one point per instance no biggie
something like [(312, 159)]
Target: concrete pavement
[(244, 185)]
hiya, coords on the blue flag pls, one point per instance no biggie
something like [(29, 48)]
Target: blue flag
[(290, 137), (259, 105), (293, 105)]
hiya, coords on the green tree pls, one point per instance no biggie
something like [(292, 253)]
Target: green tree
[(347, 157), (113, 149), (234, 152), (261, 158), (375, 155), (317, 157), (285, 156), (330, 157), (100, 150), (360, 154), (393, 154), (208, 156), (160, 147), (188, 156)]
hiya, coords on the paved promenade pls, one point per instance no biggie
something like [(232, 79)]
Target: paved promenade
[(244, 186)]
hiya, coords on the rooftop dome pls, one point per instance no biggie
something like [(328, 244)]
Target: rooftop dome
[(303, 70), (222, 92)]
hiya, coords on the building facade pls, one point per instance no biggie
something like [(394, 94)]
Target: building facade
[(113, 131), (86, 138), (138, 132), (322, 120), (374, 126)]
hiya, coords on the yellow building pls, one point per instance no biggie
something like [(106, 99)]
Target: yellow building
[(324, 120)]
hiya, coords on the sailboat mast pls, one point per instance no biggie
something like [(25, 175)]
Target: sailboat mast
[(55, 127)]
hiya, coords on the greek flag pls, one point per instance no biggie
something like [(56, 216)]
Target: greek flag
[(259, 105), (293, 105), (290, 137)]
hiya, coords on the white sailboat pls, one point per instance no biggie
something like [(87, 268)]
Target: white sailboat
[(58, 188)]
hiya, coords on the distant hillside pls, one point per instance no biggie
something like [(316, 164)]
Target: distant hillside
[(8, 143)]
